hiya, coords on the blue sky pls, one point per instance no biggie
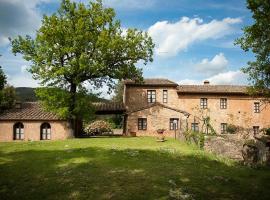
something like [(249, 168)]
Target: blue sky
[(194, 38)]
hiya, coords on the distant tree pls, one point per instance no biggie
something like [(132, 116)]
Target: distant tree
[(80, 44), (3, 78), (257, 39), (7, 92), (118, 92)]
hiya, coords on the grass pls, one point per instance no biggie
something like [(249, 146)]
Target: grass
[(123, 168)]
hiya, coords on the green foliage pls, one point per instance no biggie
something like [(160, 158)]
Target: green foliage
[(118, 92), (7, 93), (232, 129), (194, 137), (7, 97), (57, 100), (79, 44), (3, 79), (211, 130), (257, 39)]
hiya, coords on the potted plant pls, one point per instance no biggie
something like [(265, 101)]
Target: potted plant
[(161, 136)]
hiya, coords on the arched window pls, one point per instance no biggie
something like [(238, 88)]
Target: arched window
[(45, 131), (18, 131)]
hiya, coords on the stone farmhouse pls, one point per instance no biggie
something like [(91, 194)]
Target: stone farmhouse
[(149, 106), (163, 104)]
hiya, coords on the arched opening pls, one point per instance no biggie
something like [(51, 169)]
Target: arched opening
[(45, 131), (18, 131)]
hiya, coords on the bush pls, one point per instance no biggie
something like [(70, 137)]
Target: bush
[(194, 136), (98, 127), (232, 129)]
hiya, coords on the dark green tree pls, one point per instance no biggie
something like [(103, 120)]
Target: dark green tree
[(118, 92), (257, 39), (7, 92), (3, 78), (81, 44)]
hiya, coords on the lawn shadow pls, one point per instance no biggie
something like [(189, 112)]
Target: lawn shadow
[(102, 173)]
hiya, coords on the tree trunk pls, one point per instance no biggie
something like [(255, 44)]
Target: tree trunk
[(74, 121)]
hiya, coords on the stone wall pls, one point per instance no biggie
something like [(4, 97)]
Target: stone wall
[(59, 130)]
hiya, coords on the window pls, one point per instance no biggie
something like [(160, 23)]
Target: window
[(256, 130), (223, 103), (256, 107), (174, 122), (142, 123), (165, 96), (151, 96), (223, 128), (45, 131), (195, 127), (18, 131), (203, 103)]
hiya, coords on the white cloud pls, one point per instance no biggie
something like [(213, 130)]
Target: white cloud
[(172, 38), (211, 67), (18, 17), (225, 78), (230, 77)]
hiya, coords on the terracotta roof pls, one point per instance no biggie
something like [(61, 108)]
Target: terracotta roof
[(28, 111), (212, 89), (161, 105), (109, 108), (152, 81)]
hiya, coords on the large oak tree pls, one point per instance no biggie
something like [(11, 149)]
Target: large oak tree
[(79, 44)]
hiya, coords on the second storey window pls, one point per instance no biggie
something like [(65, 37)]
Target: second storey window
[(165, 96), (142, 123), (223, 127), (174, 122), (256, 107), (195, 127), (151, 96), (203, 103), (223, 103)]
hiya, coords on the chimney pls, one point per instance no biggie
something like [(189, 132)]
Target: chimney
[(206, 82), (18, 105)]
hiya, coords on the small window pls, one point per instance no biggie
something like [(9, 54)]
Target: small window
[(195, 127), (256, 107), (256, 130), (45, 131), (203, 103), (223, 128), (18, 131), (223, 103), (142, 123), (151, 96), (165, 96), (174, 123)]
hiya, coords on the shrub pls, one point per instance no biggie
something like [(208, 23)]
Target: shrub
[(232, 129), (98, 127), (194, 136)]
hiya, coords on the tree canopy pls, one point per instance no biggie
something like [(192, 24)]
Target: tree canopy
[(82, 44), (257, 39), (7, 92), (3, 79)]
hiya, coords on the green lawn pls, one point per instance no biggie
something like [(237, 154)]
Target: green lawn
[(123, 168)]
